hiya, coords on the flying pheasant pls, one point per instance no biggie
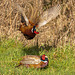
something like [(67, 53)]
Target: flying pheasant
[(29, 28)]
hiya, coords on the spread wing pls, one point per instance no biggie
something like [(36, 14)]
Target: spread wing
[(30, 59), (49, 15), (21, 11)]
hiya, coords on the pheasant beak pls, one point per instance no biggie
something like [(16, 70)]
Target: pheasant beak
[(36, 32)]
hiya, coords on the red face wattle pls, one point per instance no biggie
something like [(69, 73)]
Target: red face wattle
[(36, 32), (43, 57)]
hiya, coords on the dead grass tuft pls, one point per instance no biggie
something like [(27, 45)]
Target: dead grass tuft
[(59, 31)]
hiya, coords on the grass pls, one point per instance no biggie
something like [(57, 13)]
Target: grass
[(61, 60)]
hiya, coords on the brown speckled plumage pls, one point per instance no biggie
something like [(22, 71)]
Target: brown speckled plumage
[(34, 61)]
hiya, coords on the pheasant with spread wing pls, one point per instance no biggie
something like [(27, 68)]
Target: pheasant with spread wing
[(29, 29)]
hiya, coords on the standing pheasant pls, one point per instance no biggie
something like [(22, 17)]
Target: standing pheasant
[(34, 61)]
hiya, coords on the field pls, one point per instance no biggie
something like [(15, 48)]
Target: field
[(56, 39), (61, 60)]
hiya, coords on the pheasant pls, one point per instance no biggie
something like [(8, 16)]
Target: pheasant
[(29, 29), (34, 61)]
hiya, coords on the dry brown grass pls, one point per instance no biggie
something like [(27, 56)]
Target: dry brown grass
[(59, 31)]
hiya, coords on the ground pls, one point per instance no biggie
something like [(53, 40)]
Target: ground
[(61, 60)]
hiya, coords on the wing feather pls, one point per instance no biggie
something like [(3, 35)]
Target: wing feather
[(30, 59), (49, 15), (21, 11)]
